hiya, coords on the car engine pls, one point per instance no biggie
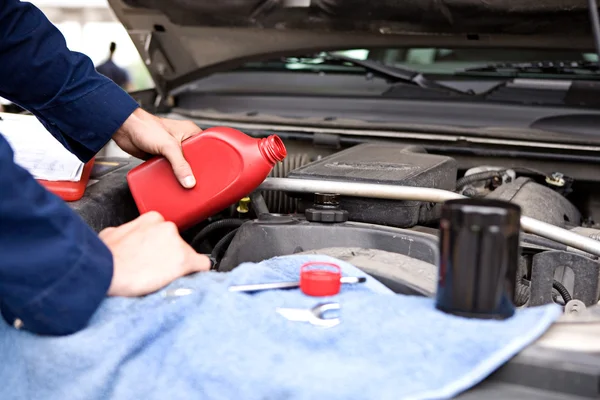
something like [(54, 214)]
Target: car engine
[(396, 241), (393, 240)]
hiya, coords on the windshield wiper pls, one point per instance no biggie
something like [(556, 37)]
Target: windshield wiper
[(568, 68), (395, 74)]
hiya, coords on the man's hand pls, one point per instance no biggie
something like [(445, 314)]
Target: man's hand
[(149, 254), (144, 134)]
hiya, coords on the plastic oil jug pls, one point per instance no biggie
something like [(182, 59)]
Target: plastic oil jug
[(228, 165)]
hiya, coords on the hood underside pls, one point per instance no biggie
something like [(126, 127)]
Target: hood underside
[(183, 40)]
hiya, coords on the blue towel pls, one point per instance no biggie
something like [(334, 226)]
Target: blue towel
[(215, 344)]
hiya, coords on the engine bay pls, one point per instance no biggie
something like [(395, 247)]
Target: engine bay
[(393, 240), (396, 241), (409, 228)]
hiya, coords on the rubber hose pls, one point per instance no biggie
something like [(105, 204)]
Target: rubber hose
[(564, 293), (465, 180), (278, 202), (258, 203), (480, 176), (530, 171), (221, 246), (522, 293), (210, 228)]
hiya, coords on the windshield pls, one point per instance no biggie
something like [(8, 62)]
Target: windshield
[(426, 60)]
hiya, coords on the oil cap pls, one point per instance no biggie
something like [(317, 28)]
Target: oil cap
[(326, 208), (320, 279), (479, 254)]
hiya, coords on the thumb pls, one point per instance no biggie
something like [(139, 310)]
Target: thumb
[(172, 152)]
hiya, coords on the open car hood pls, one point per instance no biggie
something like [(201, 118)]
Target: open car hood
[(184, 40)]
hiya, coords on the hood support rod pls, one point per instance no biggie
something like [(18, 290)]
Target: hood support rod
[(409, 193)]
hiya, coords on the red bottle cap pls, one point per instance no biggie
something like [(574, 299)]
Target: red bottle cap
[(324, 281)]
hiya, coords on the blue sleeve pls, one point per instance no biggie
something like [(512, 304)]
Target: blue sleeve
[(79, 106), (54, 270)]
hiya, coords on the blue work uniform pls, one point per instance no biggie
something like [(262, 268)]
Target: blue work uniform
[(113, 72), (54, 270)]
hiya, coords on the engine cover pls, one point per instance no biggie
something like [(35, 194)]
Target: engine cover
[(107, 200), (387, 164)]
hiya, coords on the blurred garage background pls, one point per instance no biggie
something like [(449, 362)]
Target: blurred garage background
[(89, 26)]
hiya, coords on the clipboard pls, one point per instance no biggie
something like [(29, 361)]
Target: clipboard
[(70, 191)]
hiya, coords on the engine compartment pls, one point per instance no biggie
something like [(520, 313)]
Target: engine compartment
[(396, 242), (396, 239)]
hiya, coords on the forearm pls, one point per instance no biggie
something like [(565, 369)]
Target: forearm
[(54, 271), (80, 107)]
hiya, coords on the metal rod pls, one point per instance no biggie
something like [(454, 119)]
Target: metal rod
[(393, 192), (257, 287)]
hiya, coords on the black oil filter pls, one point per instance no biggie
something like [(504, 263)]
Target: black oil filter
[(479, 255)]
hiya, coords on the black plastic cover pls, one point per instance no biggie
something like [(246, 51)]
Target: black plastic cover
[(107, 200), (277, 235), (384, 164)]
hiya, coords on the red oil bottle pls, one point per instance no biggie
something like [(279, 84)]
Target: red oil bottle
[(227, 164)]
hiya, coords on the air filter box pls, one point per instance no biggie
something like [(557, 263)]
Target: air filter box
[(386, 164)]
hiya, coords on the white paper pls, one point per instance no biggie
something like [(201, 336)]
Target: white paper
[(37, 151)]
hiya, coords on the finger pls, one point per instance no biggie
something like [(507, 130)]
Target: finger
[(145, 220), (170, 229), (149, 218), (172, 151), (106, 232), (141, 222), (188, 135), (188, 129), (180, 130), (197, 262), (116, 234)]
